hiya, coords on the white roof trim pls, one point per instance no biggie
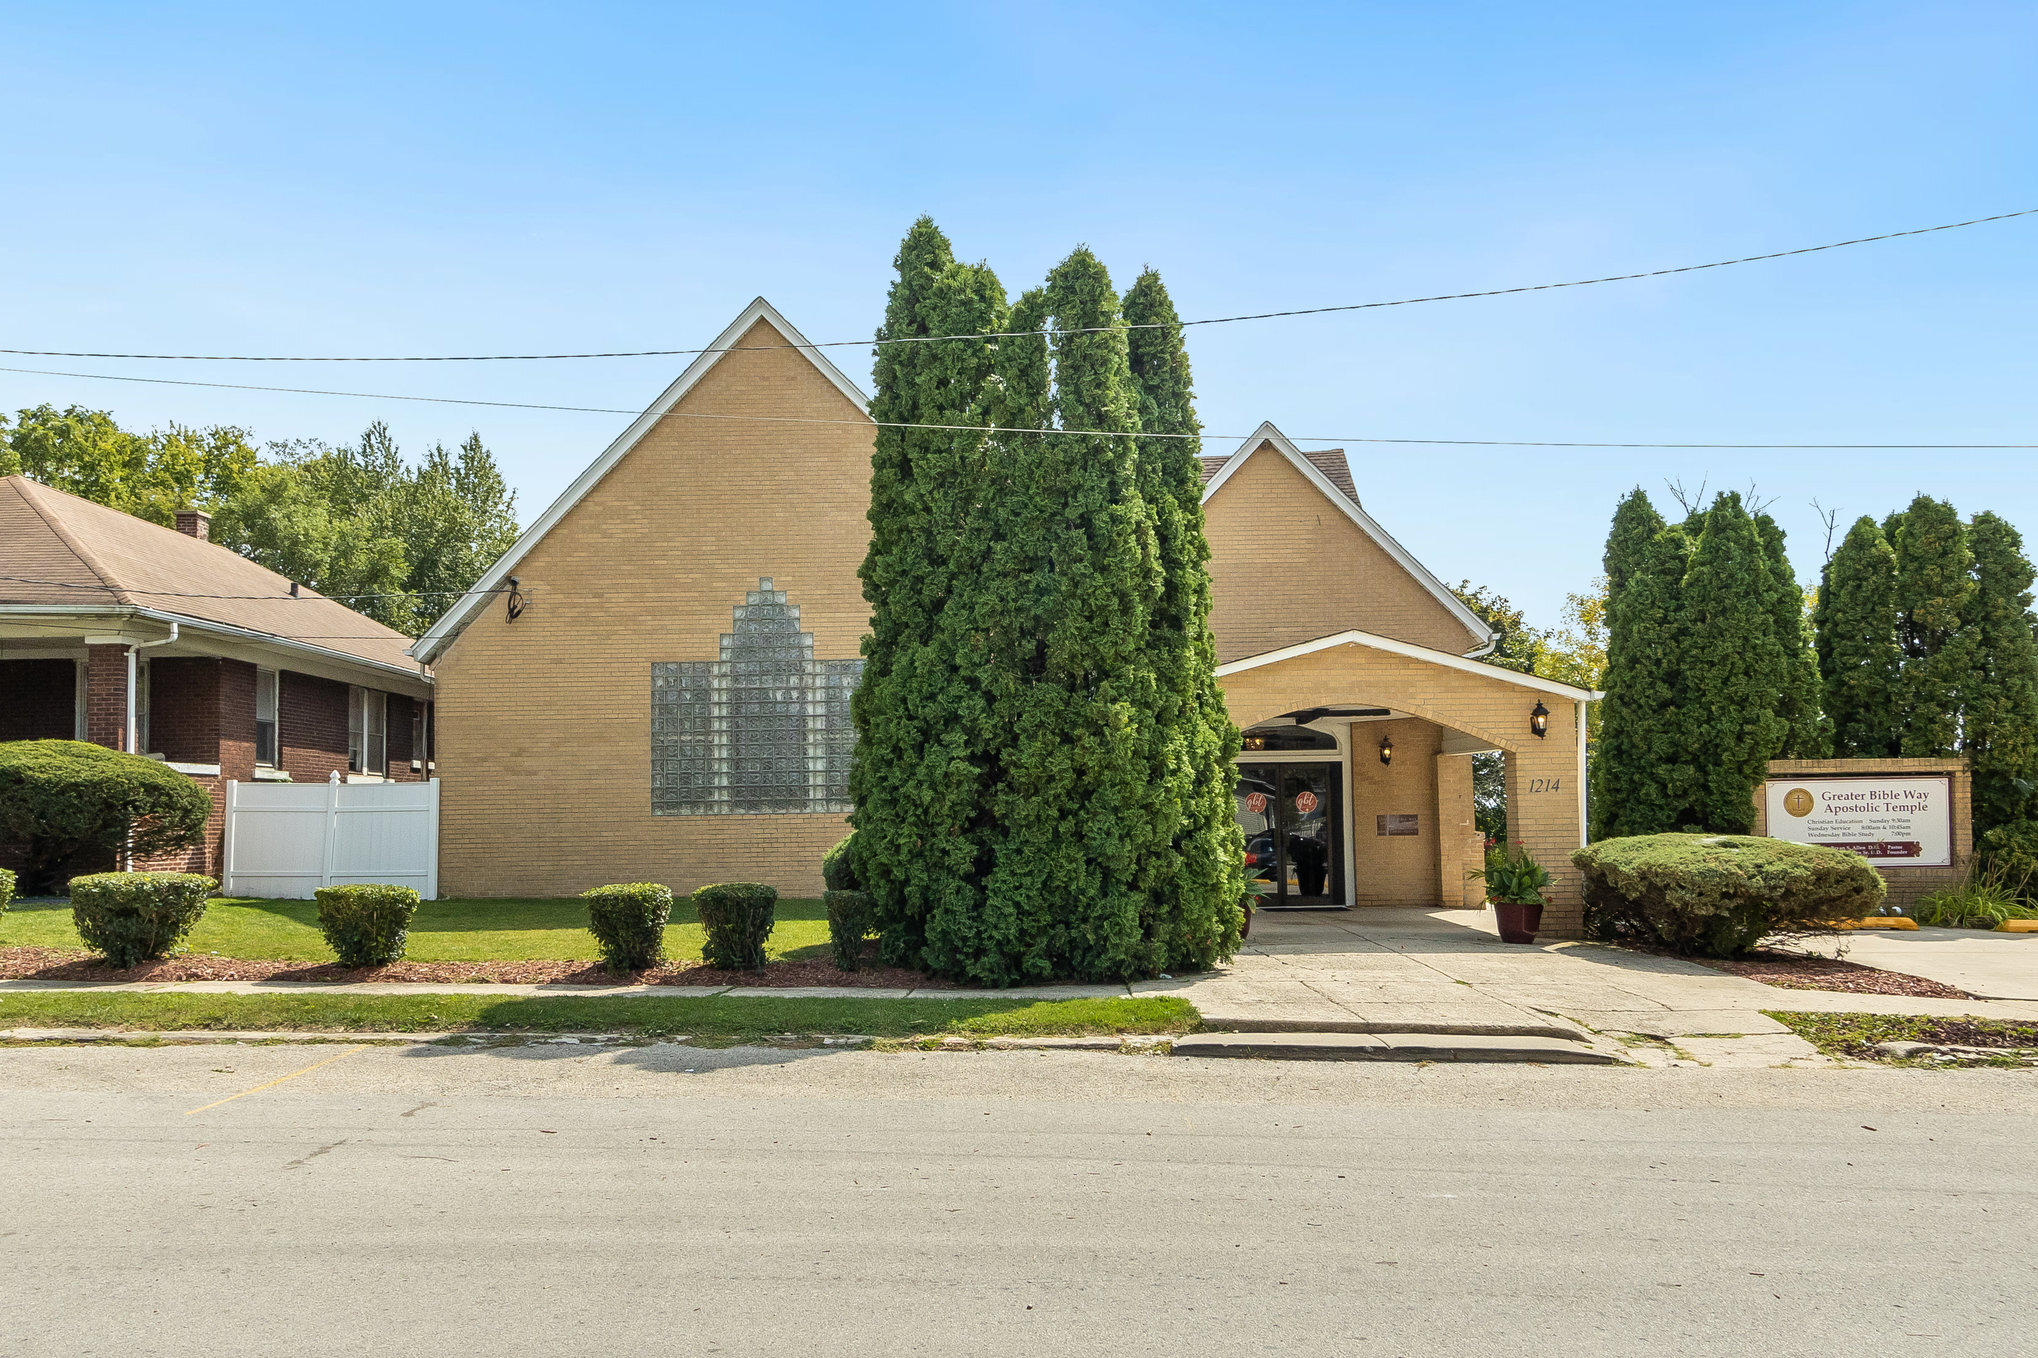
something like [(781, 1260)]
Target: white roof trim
[(1484, 637), (446, 628), (1413, 652)]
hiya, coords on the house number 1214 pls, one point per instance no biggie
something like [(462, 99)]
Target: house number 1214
[(1546, 785)]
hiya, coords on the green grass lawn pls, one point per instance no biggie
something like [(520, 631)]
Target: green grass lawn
[(719, 1017), (443, 931)]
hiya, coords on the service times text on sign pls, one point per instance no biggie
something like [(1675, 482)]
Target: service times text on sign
[(1895, 822)]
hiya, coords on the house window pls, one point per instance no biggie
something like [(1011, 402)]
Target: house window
[(764, 729), (419, 757), (265, 718), (368, 731)]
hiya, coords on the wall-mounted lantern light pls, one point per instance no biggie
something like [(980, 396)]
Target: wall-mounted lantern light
[(514, 604), (1387, 749), (1539, 720)]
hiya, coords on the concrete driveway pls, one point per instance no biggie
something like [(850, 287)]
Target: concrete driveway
[(1446, 971), (1991, 965)]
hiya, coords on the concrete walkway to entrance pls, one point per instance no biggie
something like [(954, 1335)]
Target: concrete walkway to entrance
[(1446, 971)]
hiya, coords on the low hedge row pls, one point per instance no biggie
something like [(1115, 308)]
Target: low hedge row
[(737, 917), (1720, 895), (135, 917), (628, 923), (366, 923)]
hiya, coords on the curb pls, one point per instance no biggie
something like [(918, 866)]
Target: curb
[(1408, 1047)]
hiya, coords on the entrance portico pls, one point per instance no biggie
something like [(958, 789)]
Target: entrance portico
[(1358, 765)]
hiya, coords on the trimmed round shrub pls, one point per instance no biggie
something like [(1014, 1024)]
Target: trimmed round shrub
[(738, 917), (850, 917), (366, 923), (2011, 853), (133, 917), (1720, 895), (65, 802), (838, 866), (628, 923)]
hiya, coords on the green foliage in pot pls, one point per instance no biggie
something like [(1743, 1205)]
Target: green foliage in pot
[(1512, 875), (134, 917), (1719, 895), (738, 917), (628, 923), (366, 923), (850, 920), (66, 801)]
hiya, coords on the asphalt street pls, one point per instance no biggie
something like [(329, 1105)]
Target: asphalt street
[(552, 1199)]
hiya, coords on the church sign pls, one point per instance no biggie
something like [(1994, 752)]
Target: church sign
[(1891, 821)]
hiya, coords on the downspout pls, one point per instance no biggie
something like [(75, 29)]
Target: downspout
[(133, 730), (1584, 828)]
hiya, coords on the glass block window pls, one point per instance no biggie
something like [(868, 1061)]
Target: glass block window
[(763, 729)]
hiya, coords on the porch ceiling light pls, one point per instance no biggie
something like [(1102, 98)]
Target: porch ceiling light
[(1387, 749), (1539, 720)]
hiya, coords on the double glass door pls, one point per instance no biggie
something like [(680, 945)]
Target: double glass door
[(1293, 819)]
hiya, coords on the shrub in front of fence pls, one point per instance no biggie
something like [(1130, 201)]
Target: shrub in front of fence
[(628, 923), (849, 920), (65, 803), (134, 917), (738, 917), (366, 923)]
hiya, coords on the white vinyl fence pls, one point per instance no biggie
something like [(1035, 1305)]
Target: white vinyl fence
[(288, 839)]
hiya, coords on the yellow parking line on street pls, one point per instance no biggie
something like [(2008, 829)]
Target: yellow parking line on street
[(278, 1080)]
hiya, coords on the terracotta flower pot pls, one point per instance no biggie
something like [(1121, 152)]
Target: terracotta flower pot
[(1518, 922)]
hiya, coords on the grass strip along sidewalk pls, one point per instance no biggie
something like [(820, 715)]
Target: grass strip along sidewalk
[(649, 1016)]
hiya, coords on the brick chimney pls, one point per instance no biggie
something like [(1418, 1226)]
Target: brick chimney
[(195, 523)]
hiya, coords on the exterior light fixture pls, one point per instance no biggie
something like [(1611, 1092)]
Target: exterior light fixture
[(1386, 749), (1539, 720)]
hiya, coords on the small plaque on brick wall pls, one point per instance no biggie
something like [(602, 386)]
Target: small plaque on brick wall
[(1396, 824)]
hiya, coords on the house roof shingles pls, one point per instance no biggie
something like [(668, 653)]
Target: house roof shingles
[(1330, 461), (60, 551)]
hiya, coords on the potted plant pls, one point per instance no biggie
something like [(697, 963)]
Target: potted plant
[(1514, 888), (1255, 892)]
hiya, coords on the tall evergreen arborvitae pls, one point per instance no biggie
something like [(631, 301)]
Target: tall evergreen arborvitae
[(1933, 583), (1999, 707), (1070, 586), (1641, 777), (1806, 735), (1737, 669), (1859, 661), (1194, 884), (917, 778)]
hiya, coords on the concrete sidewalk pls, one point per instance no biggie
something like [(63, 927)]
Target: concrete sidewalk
[(1446, 971)]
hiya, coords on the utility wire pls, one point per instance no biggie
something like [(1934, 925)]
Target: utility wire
[(1015, 334), (1071, 433)]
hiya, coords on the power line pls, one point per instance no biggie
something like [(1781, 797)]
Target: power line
[(1015, 334), (1070, 433)]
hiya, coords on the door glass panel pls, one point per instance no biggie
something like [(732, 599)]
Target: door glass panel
[(1306, 828), (1258, 795)]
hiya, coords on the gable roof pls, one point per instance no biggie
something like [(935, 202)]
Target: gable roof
[(64, 553), (1463, 664), (1346, 498), (1330, 461), (449, 626)]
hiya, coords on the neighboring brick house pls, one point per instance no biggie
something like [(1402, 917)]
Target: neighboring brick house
[(135, 636), (664, 696)]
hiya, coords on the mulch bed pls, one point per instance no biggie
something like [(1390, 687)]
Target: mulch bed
[(76, 964), (1797, 971)]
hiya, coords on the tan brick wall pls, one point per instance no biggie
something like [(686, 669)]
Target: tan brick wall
[(1542, 789), (544, 724), (1394, 869), (1460, 846), (1287, 566), (1905, 885)]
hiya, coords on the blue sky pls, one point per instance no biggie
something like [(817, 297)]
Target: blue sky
[(445, 179)]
